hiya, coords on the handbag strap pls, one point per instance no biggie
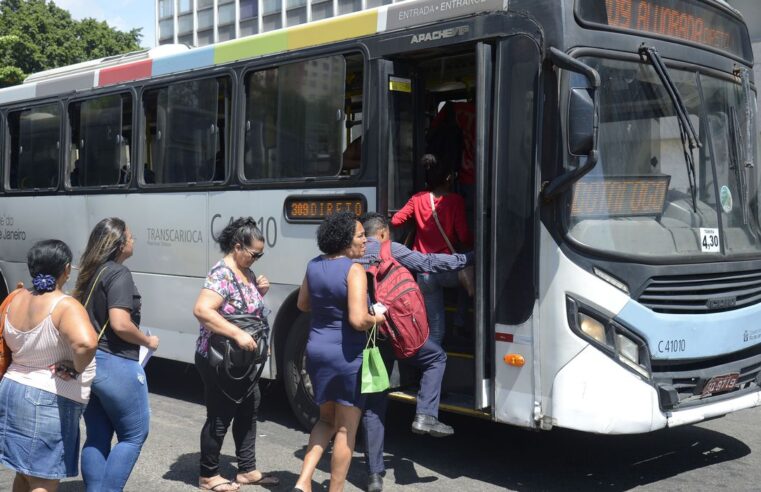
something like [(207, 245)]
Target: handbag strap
[(438, 224), (371, 336), (4, 308), (87, 301), (237, 284)]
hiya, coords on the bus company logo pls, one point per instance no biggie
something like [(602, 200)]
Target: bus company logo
[(752, 335), (721, 302), (441, 34), (168, 236)]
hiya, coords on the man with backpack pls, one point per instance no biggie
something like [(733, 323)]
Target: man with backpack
[(430, 358)]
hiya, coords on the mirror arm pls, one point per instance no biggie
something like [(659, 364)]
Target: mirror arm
[(562, 182)]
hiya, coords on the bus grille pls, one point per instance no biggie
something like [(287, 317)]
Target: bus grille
[(706, 293), (688, 378)]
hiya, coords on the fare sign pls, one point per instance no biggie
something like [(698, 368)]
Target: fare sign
[(682, 19)]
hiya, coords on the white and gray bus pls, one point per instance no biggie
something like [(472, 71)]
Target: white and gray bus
[(614, 154)]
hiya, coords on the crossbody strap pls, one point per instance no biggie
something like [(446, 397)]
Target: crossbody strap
[(87, 301), (438, 224), (237, 285)]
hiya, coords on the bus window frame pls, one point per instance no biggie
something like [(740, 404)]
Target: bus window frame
[(669, 39), (301, 57), (6, 147), (166, 81), (131, 90), (561, 227)]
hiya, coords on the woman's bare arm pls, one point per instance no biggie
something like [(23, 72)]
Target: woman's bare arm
[(359, 317), (206, 310), (120, 321), (77, 332), (304, 302)]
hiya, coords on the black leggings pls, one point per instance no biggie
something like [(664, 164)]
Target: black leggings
[(220, 411)]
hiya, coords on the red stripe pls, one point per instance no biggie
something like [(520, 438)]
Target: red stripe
[(123, 73), (505, 337)]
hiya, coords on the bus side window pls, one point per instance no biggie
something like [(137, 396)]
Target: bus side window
[(35, 147), (185, 131), (304, 119), (100, 137)]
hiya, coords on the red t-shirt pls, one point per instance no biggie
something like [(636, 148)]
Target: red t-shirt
[(450, 209)]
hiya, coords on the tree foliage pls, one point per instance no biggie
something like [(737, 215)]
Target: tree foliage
[(37, 35)]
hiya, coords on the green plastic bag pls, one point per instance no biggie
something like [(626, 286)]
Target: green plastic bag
[(374, 374)]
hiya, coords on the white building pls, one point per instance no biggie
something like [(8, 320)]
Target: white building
[(202, 22)]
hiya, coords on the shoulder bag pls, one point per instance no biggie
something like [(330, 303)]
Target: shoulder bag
[(5, 352), (466, 276), (226, 357)]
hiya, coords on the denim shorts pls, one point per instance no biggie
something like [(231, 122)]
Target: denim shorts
[(39, 431)]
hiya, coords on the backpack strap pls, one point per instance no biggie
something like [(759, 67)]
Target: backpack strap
[(386, 259), (87, 302)]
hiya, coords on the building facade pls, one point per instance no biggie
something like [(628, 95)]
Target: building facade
[(202, 22)]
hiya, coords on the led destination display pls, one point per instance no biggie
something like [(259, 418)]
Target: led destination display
[(681, 19), (619, 196), (316, 208)]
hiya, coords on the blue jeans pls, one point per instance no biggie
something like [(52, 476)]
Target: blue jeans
[(432, 361), (118, 404), (432, 287)]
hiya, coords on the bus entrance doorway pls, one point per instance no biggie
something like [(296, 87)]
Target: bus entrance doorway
[(426, 91)]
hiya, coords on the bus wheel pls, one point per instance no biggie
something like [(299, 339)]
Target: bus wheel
[(298, 387)]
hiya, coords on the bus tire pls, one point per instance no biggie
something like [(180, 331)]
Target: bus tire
[(298, 388)]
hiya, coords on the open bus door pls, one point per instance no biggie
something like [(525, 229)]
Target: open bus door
[(416, 86)]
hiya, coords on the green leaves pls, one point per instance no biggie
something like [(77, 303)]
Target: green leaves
[(37, 35)]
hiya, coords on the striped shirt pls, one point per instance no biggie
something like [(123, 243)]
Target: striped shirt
[(416, 261), (35, 350)]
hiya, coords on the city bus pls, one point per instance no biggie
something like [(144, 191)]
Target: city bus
[(615, 189)]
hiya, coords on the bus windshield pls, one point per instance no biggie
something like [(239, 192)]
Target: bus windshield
[(652, 194)]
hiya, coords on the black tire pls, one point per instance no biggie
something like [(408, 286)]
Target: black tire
[(298, 388)]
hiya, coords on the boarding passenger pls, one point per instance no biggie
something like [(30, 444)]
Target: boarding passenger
[(440, 219), (47, 386), (430, 358), (334, 290), (231, 288), (119, 401)]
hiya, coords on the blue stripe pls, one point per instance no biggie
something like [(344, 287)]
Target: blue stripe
[(687, 336), (186, 60)]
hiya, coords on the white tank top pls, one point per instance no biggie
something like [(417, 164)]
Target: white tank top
[(35, 350)]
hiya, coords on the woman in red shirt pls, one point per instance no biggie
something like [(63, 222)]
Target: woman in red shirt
[(450, 211)]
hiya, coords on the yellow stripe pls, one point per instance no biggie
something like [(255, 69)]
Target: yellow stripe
[(404, 397), (460, 355), (333, 29)]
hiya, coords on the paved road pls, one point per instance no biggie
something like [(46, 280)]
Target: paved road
[(719, 455)]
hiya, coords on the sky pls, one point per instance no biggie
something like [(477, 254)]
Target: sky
[(121, 14)]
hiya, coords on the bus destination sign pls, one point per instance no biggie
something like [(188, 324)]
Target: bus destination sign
[(614, 196), (314, 208), (682, 19)]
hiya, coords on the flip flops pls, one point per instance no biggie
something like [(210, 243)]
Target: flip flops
[(216, 487), (267, 480)]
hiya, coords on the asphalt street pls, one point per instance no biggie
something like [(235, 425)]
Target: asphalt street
[(722, 454)]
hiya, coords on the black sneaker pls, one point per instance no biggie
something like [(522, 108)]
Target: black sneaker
[(374, 482), (428, 424)]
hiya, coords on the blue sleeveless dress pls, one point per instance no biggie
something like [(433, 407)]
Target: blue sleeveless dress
[(334, 349)]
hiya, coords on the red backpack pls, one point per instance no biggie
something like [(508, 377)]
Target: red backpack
[(394, 286)]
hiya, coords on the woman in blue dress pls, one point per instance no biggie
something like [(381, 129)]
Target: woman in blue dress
[(335, 291)]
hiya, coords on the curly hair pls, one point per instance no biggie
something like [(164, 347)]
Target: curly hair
[(336, 232), (242, 230)]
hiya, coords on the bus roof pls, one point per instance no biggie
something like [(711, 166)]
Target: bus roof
[(164, 60)]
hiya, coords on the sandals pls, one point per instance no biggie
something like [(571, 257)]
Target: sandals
[(267, 480), (223, 483)]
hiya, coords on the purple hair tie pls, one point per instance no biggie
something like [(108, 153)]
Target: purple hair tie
[(43, 283)]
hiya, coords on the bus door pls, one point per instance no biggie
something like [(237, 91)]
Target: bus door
[(417, 87), (513, 187)]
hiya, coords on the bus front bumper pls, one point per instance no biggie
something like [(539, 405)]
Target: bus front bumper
[(711, 410)]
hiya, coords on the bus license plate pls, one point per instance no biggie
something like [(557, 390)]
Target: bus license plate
[(719, 384)]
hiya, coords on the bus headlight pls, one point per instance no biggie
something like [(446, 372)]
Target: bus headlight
[(617, 342)]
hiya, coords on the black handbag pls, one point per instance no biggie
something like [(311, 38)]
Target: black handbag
[(233, 365)]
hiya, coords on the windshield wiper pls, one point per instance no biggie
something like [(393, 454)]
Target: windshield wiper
[(735, 150), (687, 133)]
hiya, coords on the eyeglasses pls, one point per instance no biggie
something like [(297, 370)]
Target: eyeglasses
[(254, 254)]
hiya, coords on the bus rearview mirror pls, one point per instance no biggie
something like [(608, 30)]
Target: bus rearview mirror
[(581, 121)]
